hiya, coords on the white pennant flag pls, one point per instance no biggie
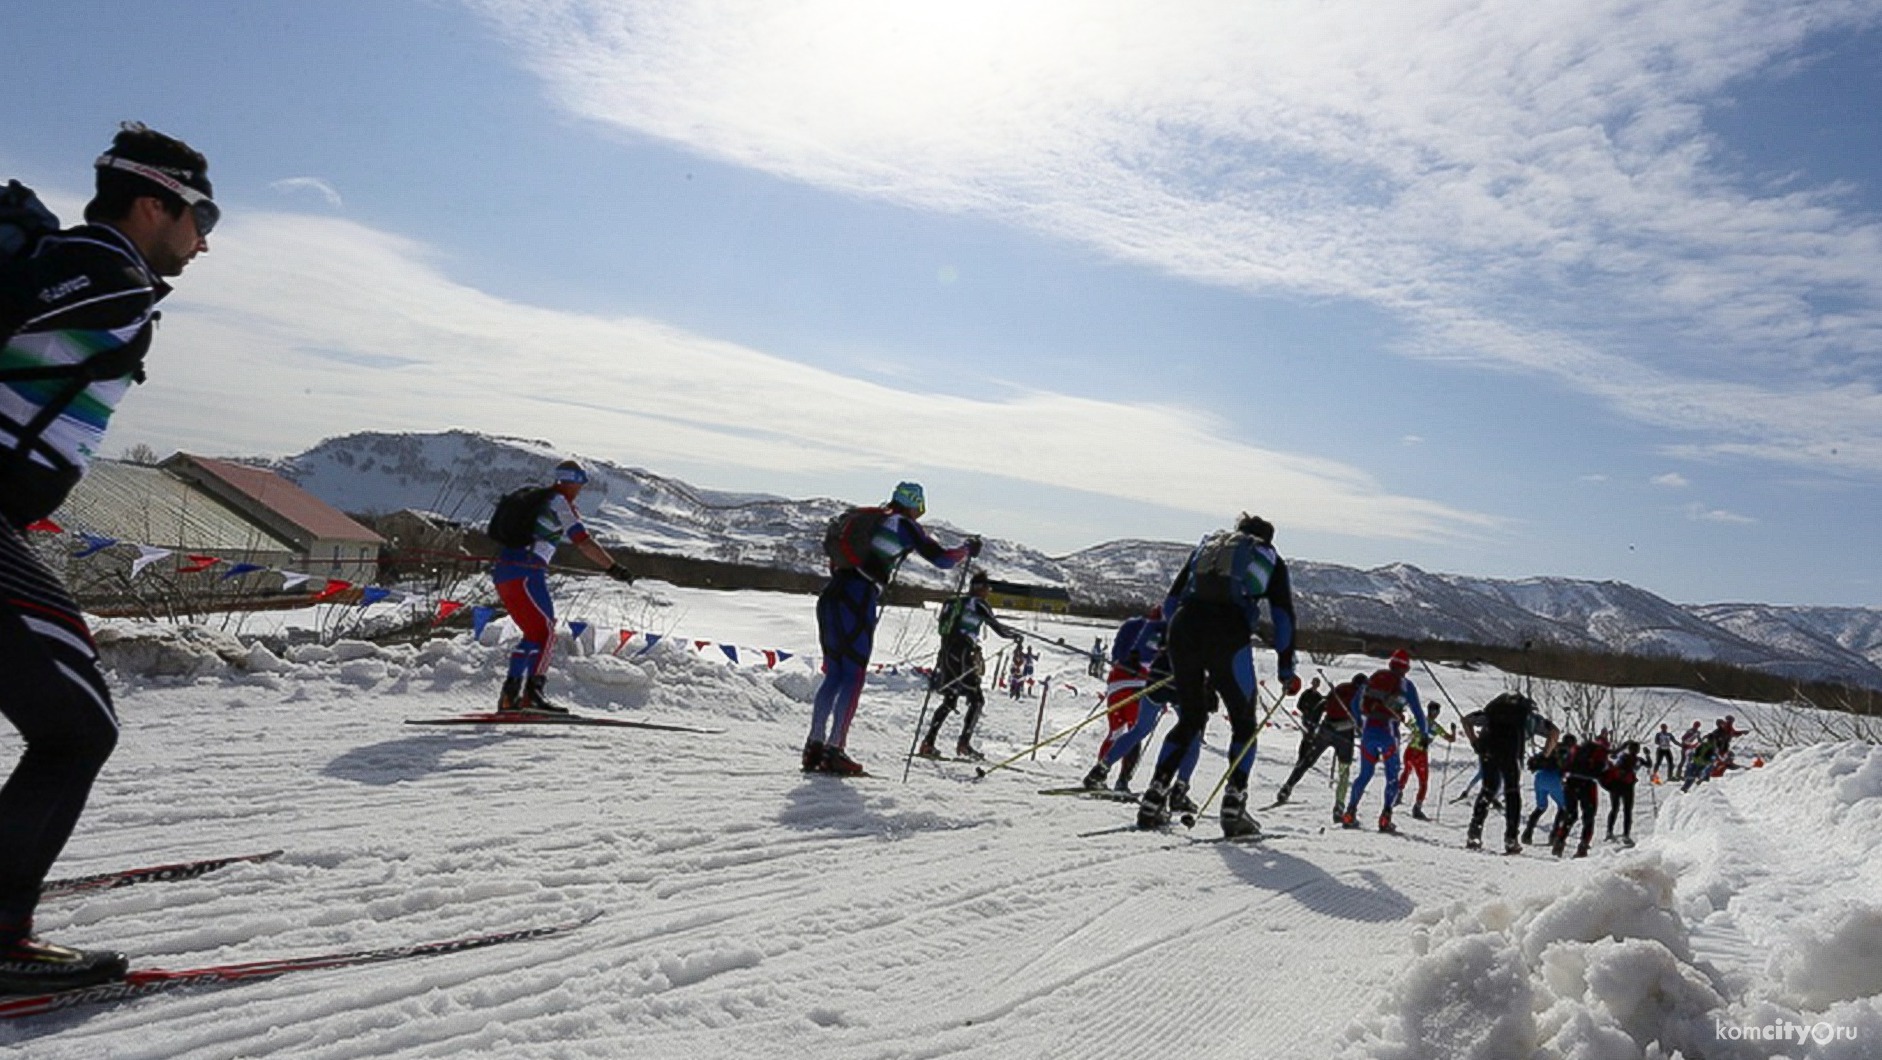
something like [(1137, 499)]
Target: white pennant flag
[(146, 555), (291, 580)]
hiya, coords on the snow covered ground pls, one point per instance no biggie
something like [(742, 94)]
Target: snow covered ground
[(748, 910)]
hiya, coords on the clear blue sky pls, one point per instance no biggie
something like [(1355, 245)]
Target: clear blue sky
[(1510, 289)]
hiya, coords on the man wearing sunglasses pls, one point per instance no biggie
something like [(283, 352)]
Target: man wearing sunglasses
[(76, 316)]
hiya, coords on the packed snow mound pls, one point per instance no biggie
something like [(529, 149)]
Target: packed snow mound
[(1707, 942), (669, 675)]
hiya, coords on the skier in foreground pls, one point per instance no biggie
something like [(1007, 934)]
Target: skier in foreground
[(80, 311), (1214, 605), (521, 575), (864, 546), (962, 618)]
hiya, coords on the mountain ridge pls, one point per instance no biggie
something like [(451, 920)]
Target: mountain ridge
[(459, 474)]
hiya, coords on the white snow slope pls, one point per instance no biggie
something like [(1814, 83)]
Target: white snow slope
[(747, 910)]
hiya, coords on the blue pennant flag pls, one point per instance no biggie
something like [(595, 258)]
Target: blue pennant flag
[(372, 594), (577, 628), (480, 617), (730, 652), (93, 543), (240, 569)]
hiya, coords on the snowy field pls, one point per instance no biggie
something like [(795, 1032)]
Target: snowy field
[(747, 910)]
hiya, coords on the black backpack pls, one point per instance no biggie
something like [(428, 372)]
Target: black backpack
[(24, 221), (846, 538), (1213, 577), (513, 524)]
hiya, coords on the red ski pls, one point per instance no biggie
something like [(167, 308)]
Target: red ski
[(520, 717), (142, 981), (182, 870)]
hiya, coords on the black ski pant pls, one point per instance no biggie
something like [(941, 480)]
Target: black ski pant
[(958, 678), (1211, 659), (1663, 755), (1621, 803), (1581, 807), (1501, 772), (1325, 736), (55, 695)]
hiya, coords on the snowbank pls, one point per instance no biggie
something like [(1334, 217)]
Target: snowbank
[(1746, 927)]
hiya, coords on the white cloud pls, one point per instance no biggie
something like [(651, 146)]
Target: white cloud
[(1700, 513), (295, 185), (295, 320), (1529, 183), (1672, 480)]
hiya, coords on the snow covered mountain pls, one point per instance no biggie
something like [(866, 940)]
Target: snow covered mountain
[(458, 474)]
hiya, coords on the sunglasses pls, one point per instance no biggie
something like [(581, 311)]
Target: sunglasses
[(202, 207)]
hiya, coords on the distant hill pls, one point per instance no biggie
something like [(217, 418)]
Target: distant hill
[(458, 474)]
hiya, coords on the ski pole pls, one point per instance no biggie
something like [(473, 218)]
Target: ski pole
[(921, 720), (1444, 784), (981, 771), (1189, 819)]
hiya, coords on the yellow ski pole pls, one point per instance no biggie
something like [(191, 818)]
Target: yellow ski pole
[(981, 771)]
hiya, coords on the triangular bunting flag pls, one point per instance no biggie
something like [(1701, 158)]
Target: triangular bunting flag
[(480, 618), (147, 555), (783, 655), (577, 628), (239, 569), (193, 564), (293, 580), (93, 543), (771, 659), (372, 594), (334, 588), (700, 645), (44, 526), (730, 652), (447, 608)]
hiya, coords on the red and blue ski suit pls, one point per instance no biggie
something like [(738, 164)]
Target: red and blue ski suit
[(1388, 693), (847, 610), (522, 580)]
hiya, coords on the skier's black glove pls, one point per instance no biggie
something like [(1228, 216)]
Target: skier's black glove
[(619, 574), (973, 547)]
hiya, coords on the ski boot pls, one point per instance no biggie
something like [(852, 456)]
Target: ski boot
[(966, 751), (1236, 824), (1418, 811), (839, 763), (1512, 847), (1095, 780), (1473, 842), (1385, 822), (1627, 841), (1281, 797), (533, 701), (1180, 802), (1125, 771), (1581, 850), (33, 966), (928, 750), (813, 755), (1153, 810), (511, 698), (1349, 820)]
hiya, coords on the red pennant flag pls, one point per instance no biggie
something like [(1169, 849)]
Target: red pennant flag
[(45, 526), (197, 564), (626, 635), (446, 608), (334, 588), (700, 645), (771, 659)]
